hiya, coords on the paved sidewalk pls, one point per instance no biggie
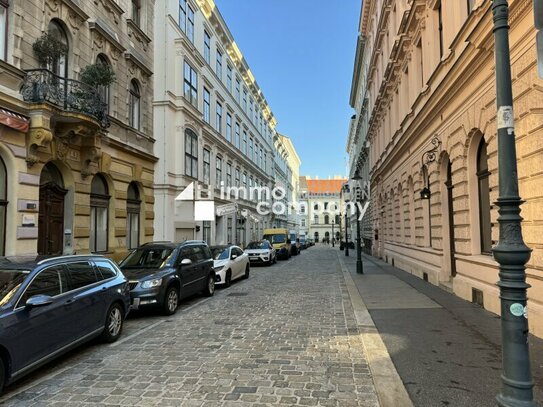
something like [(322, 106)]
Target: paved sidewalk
[(286, 336), (446, 350)]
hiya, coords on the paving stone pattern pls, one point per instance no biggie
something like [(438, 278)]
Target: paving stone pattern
[(286, 336)]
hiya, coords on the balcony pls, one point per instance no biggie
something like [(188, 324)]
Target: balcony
[(43, 86)]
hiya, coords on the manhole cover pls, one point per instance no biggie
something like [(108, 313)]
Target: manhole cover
[(237, 295)]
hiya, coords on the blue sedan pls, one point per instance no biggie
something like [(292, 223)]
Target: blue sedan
[(49, 306)]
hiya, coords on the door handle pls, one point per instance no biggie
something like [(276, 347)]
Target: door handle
[(70, 301)]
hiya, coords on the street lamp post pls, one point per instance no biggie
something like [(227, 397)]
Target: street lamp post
[(333, 234), (357, 201), (511, 252), (346, 234)]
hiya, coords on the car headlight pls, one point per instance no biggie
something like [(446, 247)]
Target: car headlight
[(218, 268), (151, 283)]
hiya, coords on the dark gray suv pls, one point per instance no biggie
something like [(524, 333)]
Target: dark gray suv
[(161, 273), (49, 306)]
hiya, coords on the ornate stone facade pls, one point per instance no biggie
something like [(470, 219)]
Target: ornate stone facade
[(70, 136), (428, 72)]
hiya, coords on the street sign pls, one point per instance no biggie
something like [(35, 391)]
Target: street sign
[(539, 44)]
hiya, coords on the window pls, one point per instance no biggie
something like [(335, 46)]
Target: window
[(207, 231), (207, 47), (206, 105), (261, 123), (105, 269), (207, 166), (229, 230), (218, 171), (250, 181), (338, 220), (135, 104), (136, 12), (183, 15), (191, 85), (244, 180), (303, 223), (260, 159), (237, 177), (251, 109), (51, 281), (218, 64), (316, 219), (58, 66), (81, 274), (133, 206), (99, 201), (237, 139), (218, 117), (440, 27), (244, 103), (228, 175), (238, 85), (484, 198), (265, 164), (3, 28), (229, 78), (3, 206), (228, 127), (251, 143), (190, 23), (104, 91), (191, 153), (244, 143)]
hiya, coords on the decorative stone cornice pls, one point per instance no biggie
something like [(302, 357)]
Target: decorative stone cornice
[(99, 27)]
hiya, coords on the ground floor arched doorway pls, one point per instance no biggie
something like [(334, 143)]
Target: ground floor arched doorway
[(51, 211)]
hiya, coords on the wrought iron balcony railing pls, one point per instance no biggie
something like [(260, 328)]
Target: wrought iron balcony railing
[(42, 85)]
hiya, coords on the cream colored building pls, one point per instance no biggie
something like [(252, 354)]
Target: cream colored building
[(213, 125), (287, 175), (428, 84), (76, 163), (325, 207)]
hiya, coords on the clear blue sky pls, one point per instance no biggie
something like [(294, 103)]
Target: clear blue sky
[(301, 53)]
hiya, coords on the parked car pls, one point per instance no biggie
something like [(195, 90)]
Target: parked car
[(51, 305), (162, 273), (261, 252), (230, 263), (303, 243), (280, 240)]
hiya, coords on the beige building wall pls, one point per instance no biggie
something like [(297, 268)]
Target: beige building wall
[(78, 145), (416, 91)]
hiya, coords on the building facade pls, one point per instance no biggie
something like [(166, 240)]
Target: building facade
[(76, 160), (303, 203), (325, 208), (214, 128), (287, 173), (429, 115)]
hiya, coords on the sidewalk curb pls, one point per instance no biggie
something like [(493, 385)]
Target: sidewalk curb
[(388, 384)]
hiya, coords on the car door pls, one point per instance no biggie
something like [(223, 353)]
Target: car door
[(204, 257), (239, 262), (88, 297), (40, 331), (187, 272)]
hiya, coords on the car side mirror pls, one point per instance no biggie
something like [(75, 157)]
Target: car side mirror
[(38, 301), (186, 262), (234, 257)]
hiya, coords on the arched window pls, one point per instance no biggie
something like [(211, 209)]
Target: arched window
[(3, 205), (316, 219), (135, 102), (484, 198), (338, 220), (59, 66), (105, 92), (191, 155), (326, 219), (99, 201), (133, 207)]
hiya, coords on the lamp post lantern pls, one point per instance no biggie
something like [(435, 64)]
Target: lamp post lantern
[(357, 201), (511, 252)]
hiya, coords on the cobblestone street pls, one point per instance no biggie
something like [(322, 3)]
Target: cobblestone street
[(288, 335)]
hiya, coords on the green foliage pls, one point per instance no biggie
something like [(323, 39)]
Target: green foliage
[(98, 74), (48, 49)]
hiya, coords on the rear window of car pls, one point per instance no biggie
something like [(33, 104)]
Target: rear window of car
[(81, 274), (105, 269)]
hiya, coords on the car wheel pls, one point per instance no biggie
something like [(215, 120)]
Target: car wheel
[(114, 324), (171, 301), (228, 279), (246, 275), (210, 285)]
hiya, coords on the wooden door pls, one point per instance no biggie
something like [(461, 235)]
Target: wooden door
[(51, 219)]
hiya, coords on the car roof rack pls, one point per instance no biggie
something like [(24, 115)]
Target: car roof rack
[(71, 256), (157, 242)]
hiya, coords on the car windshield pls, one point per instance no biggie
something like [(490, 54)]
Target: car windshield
[(220, 253), (148, 258), (276, 238), (257, 245), (10, 281)]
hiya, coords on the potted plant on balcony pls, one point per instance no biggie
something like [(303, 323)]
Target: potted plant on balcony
[(49, 49), (98, 75)]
